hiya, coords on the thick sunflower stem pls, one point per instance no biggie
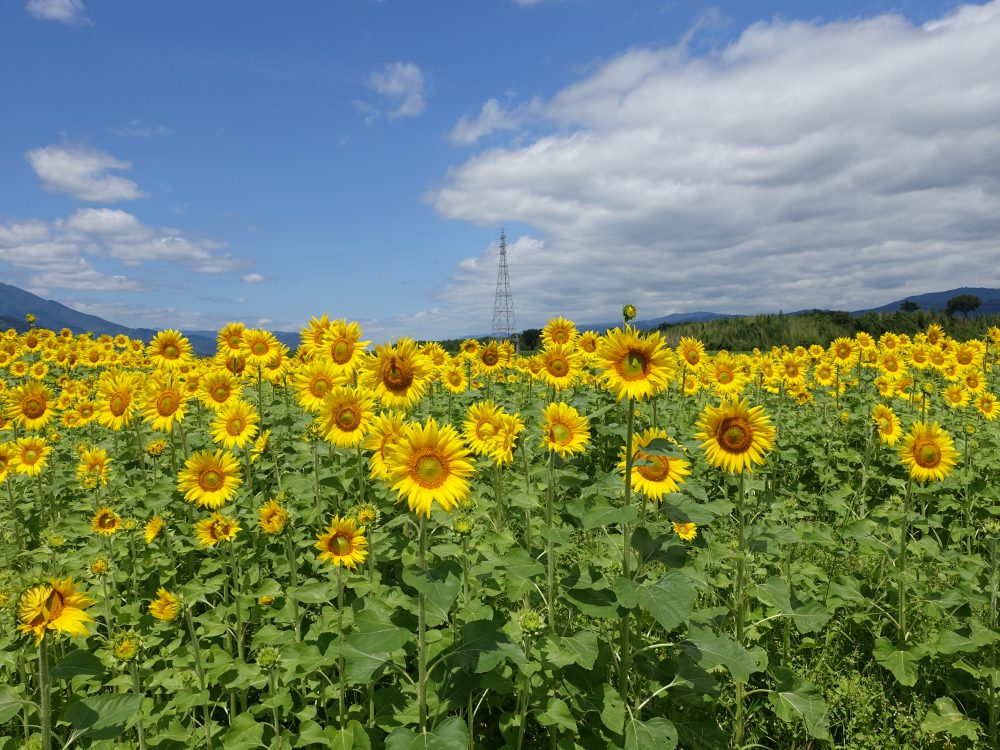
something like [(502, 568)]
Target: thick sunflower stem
[(13, 516), (137, 689), (550, 552), (465, 571), (341, 666), (142, 453), (272, 679), (523, 697), (200, 671), (44, 694), (739, 604), (422, 632), (625, 645), (293, 581), (994, 624), (904, 532), (107, 606)]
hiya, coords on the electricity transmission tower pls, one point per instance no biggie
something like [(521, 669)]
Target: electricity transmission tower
[(503, 305)]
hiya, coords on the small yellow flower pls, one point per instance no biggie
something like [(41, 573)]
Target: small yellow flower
[(165, 606)]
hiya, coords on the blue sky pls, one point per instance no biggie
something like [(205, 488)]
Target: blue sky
[(187, 163)]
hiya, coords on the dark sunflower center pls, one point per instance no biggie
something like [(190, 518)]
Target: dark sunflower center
[(561, 433), (725, 377), (735, 435), (348, 417), (54, 605), (633, 364), (171, 352), (560, 336), (259, 348), (341, 352), (430, 470), (558, 366), (118, 403), (30, 455), (106, 521), (885, 425), (33, 407), (490, 358), (319, 387), (211, 480), (220, 393), (167, 403), (340, 544), (397, 375), (927, 454), (657, 471), (235, 426)]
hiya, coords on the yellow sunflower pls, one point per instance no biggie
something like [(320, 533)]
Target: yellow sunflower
[(117, 398), (169, 350), (56, 606), (386, 429), (166, 606), (93, 467), (312, 334), (501, 445), (686, 531), (164, 404), (427, 464), (725, 376), (209, 479), (559, 331), (258, 347), (928, 451), (106, 522), (453, 377), (887, 423), (32, 455), (986, 404), (635, 366), (230, 339), (273, 517), (735, 436), (314, 380), (342, 346), (843, 351), (560, 365), (7, 453), (235, 424), (691, 352), (217, 528), (397, 373), (587, 344), (29, 405), (217, 388), (482, 422), (345, 416), (655, 475), (343, 543), (153, 528), (564, 430)]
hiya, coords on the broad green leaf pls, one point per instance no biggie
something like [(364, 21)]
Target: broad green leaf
[(439, 585), (102, 716), (902, 664), (613, 710), (450, 734), (710, 650), (795, 697), (78, 662), (314, 593), (944, 716), (484, 645), (374, 632), (557, 713), (581, 649), (647, 735), (244, 731), (669, 600), (604, 515), (10, 704)]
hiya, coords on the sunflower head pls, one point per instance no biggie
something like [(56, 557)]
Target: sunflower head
[(429, 464), (565, 430), (735, 436), (55, 606), (928, 452), (343, 543), (273, 517), (635, 366), (166, 606)]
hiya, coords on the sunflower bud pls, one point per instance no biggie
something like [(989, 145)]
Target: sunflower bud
[(530, 621), (127, 646), (628, 312), (268, 656)]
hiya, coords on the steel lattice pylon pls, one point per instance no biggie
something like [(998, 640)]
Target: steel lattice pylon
[(503, 304)]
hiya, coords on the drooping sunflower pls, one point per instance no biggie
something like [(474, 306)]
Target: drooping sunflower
[(106, 522), (7, 453), (217, 528), (314, 380), (928, 452), (209, 479), (92, 471), (397, 373), (564, 430), (501, 445), (164, 404), (735, 436), (386, 428), (235, 424), (560, 365), (55, 606), (559, 331), (31, 456), (166, 606), (343, 543), (635, 366), (273, 517), (887, 423), (655, 475), (342, 346), (169, 350), (429, 464), (153, 528), (29, 405), (345, 416)]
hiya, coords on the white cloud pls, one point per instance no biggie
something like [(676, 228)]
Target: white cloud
[(402, 84), (64, 11), (492, 118), (253, 278), (805, 165), (81, 172)]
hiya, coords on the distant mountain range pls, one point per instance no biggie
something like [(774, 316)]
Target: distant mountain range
[(15, 303)]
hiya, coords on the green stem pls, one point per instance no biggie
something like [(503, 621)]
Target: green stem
[(13, 516), (139, 728), (293, 580), (994, 624), (200, 670), (422, 632), (625, 649), (904, 532), (523, 698), (107, 605), (739, 605), (550, 552), (44, 694), (272, 678), (341, 666)]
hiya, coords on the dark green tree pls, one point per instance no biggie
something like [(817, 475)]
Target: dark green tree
[(909, 305), (530, 339), (963, 303)]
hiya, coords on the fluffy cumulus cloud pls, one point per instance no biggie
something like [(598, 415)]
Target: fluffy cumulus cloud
[(804, 165), (492, 118), (63, 11), (83, 173), (402, 84)]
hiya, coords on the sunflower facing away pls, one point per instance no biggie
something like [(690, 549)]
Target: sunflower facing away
[(655, 475), (343, 543), (273, 517), (209, 479), (565, 431), (635, 366), (165, 606), (427, 464), (735, 436), (928, 452), (54, 606)]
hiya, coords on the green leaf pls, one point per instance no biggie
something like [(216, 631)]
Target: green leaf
[(314, 593), (484, 645), (944, 716), (661, 447), (557, 713), (613, 710), (795, 697), (244, 731), (10, 704), (711, 650), (102, 716), (669, 600), (579, 649), (902, 664), (439, 585), (450, 734), (604, 515), (374, 632), (646, 735), (78, 662)]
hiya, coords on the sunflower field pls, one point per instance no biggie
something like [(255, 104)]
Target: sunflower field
[(611, 543)]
